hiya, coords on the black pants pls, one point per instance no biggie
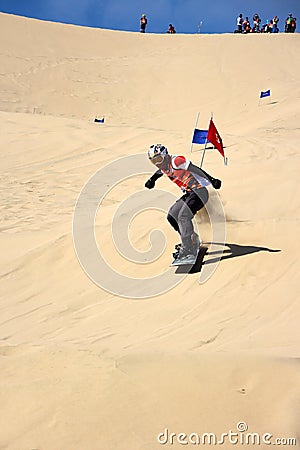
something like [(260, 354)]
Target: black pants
[(180, 215)]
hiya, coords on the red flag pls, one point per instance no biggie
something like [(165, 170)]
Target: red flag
[(214, 137)]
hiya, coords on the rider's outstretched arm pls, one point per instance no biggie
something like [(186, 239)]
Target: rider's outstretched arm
[(214, 181), (151, 182)]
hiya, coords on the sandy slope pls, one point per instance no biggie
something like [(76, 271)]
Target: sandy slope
[(83, 368)]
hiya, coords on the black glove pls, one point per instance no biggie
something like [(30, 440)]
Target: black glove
[(150, 184), (216, 183)]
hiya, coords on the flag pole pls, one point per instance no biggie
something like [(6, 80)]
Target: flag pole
[(191, 149), (203, 154), (225, 159)]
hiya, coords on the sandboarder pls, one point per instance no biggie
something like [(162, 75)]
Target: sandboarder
[(193, 182)]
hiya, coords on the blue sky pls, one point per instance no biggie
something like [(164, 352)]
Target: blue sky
[(217, 16)]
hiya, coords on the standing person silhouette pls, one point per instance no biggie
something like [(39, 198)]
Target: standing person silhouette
[(288, 23), (256, 23), (239, 23), (275, 24), (143, 23)]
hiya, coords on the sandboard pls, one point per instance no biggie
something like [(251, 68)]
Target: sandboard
[(192, 267)]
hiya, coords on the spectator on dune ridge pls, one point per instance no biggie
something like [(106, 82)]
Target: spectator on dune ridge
[(143, 23), (270, 26), (171, 29), (267, 27), (290, 24), (275, 24), (246, 26), (239, 23), (256, 23)]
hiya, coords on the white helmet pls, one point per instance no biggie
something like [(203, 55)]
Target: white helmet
[(157, 153)]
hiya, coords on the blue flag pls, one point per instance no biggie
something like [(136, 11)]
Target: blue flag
[(99, 120), (265, 94), (199, 136)]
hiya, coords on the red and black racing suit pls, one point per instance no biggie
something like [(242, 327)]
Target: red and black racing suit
[(193, 181)]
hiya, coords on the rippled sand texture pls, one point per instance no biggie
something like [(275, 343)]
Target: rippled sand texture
[(83, 368)]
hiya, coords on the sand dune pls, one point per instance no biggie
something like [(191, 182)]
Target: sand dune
[(83, 367)]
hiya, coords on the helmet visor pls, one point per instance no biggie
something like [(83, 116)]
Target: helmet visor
[(157, 159)]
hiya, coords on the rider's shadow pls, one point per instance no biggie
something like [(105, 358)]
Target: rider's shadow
[(234, 251)]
